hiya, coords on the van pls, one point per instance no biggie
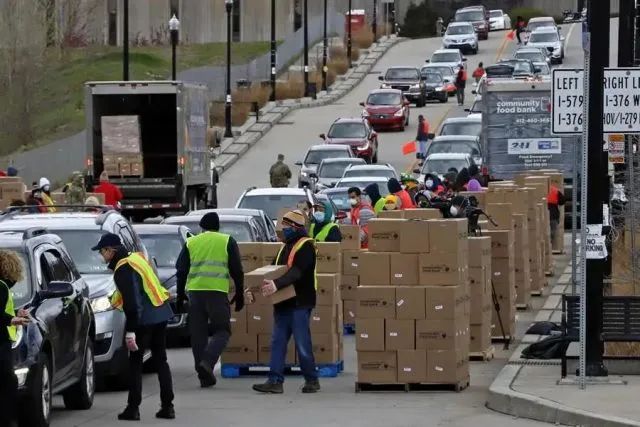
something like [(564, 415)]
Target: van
[(478, 16)]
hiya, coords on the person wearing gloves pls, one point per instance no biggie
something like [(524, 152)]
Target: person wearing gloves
[(11, 272), (411, 184), (373, 191), (323, 227), (203, 269), (361, 213), (406, 202), (145, 303), (292, 316), (45, 188)]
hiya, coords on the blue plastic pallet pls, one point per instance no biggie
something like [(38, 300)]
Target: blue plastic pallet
[(349, 329), (232, 370)]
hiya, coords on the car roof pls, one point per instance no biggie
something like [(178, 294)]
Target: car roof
[(402, 67), (461, 120), (447, 51), (545, 30), (333, 190), (371, 167), (282, 191), (439, 156), (79, 221), (460, 24), (396, 91), (349, 120), (227, 211), (476, 7), (341, 160), (542, 19), (451, 138), (223, 218), (143, 229), (12, 239), (329, 147), (363, 178), (495, 10), (529, 49)]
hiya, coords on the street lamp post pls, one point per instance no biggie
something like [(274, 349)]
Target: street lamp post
[(174, 28), (324, 49), (306, 48), (349, 37), (228, 132), (125, 40), (374, 24), (273, 51)]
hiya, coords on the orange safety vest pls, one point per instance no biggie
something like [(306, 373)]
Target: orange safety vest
[(553, 196), (154, 290), (292, 255)]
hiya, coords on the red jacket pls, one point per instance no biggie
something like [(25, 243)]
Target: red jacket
[(112, 194), (405, 199)]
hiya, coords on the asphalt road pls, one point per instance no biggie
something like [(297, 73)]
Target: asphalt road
[(231, 402)]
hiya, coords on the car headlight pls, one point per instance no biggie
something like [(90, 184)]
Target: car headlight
[(415, 86), (21, 374), (482, 26), (101, 304), (365, 113), (384, 86), (399, 113), (471, 40), (439, 89), (303, 173)]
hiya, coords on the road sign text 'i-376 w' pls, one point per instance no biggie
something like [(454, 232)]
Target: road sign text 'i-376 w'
[(621, 100)]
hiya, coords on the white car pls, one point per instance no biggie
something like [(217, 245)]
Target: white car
[(476, 108), (498, 20), (449, 57), (461, 35), (379, 170), (539, 22), (545, 71), (440, 163), (533, 54), (549, 39)]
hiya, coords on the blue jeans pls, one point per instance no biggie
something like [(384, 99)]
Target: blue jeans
[(296, 322)]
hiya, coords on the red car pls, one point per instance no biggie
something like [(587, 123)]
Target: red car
[(356, 133), (386, 108)]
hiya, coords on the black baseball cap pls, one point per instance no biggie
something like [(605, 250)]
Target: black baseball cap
[(108, 240)]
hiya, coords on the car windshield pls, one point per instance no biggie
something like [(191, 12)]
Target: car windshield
[(240, 231), (382, 173), (544, 69), (532, 56), (401, 74), (520, 67), (79, 244), (476, 107), (445, 71), (454, 147), (543, 38), (441, 166), (191, 222), (445, 57), (384, 98), (272, 203), (470, 16), (382, 186), (462, 128), (347, 130), (532, 26), (22, 290), (499, 71), (432, 77), (496, 14), (314, 157), (455, 30), (165, 248), (340, 199), (333, 169)]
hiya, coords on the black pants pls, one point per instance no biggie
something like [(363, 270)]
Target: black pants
[(518, 35), (154, 338), (8, 386), (209, 316)]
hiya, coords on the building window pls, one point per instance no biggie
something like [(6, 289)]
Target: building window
[(236, 21), (112, 11), (297, 15), (174, 8)]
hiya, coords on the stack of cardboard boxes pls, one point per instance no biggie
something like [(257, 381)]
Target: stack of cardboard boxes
[(413, 308), (480, 294), (251, 328), (540, 188), (121, 150), (350, 274), (11, 189)]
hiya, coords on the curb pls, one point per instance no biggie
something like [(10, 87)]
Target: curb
[(504, 399), (273, 113)]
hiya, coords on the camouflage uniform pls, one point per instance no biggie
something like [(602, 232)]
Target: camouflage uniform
[(76, 193), (279, 174)]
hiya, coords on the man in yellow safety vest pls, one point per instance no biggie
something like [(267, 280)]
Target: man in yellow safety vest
[(146, 307), (323, 227), (204, 267)]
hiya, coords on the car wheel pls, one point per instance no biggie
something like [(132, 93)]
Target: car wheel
[(444, 99), (421, 102), (406, 122), (374, 159), (35, 408), (80, 395), (475, 51)]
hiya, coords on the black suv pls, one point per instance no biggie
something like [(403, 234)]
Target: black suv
[(409, 81), (54, 353), (80, 231)]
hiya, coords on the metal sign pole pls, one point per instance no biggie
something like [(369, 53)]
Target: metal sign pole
[(631, 201), (574, 212)]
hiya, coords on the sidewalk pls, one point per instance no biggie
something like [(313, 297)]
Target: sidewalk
[(530, 389)]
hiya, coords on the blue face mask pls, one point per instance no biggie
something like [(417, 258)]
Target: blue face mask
[(318, 216), (289, 233)]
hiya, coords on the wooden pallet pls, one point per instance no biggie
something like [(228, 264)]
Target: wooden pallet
[(501, 339), (523, 307), (235, 370), (412, 387), (536, 293), (483, 356)]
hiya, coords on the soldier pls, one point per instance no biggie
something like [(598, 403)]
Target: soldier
[(76, 193), (280, 174)]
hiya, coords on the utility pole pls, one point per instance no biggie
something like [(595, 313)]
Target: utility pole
[(324, 49), (598, 51), (306, 48), (273, 51), (637, 34), (374, 24), (125, 40), (626, 33), (349, 36)]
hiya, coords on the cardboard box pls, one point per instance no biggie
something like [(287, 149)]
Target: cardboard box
[(264, 350), (442, 269), (480, 337), (259, 319), (370, 334), (479, 251), (377, 367), (414, 236), (350, 237), (375, 268), (479, 293), (384, 235), (444, 302), (326, 348), (327, 292), (238, 322), (348, 287), (448, 235), (481, 196), (242, 348), (423, 214), (351, 262), (447, 367), (324, 319), (349, 312), (395, 214), (404, 269), (11, 191), (412, 366), (270, 251), (328, 259), (502, 242), (251, 255), (399, 334), (502, 215), (253, 280), (441, 334), (503, 270), (410, 302), (376, 302)]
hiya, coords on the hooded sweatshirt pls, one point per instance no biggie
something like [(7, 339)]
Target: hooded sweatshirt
[(316, 227), (406, 202), (377, 201)]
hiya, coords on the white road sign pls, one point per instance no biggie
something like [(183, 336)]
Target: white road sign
[(595, 244), (621, 100)]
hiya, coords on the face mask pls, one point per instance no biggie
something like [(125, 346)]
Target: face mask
[(353, 201), (429, 183), (389, 206), (45, 188), (318, 216), (289, 233), (453, 211)]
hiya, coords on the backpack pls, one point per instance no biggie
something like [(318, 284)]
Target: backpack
[(543, 328), (552, 347)]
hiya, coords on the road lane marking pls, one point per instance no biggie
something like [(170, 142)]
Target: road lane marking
[(566, 40), (502, 47), (412, 165)]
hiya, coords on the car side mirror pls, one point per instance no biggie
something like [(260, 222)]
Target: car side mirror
[(416, 170), (406, 103), (362, 104), (537, 70), (313, 175), (464, 59), (427, 60), (373, 135), (431, 135), (559, 28), (298, 163), (322, 136), (468, 110), (561, 38), (56, 290), (381, 78), (474, 92)]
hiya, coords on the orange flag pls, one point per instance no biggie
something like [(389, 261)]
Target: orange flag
[(409, 147), (511, 35)]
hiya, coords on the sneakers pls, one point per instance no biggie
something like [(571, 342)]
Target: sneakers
[(205, 373), (269, 388), (167, 413), (129, 414), (311, 386)]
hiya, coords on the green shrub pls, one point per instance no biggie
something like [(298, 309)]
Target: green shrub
[(420, 21), (526, 13)]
